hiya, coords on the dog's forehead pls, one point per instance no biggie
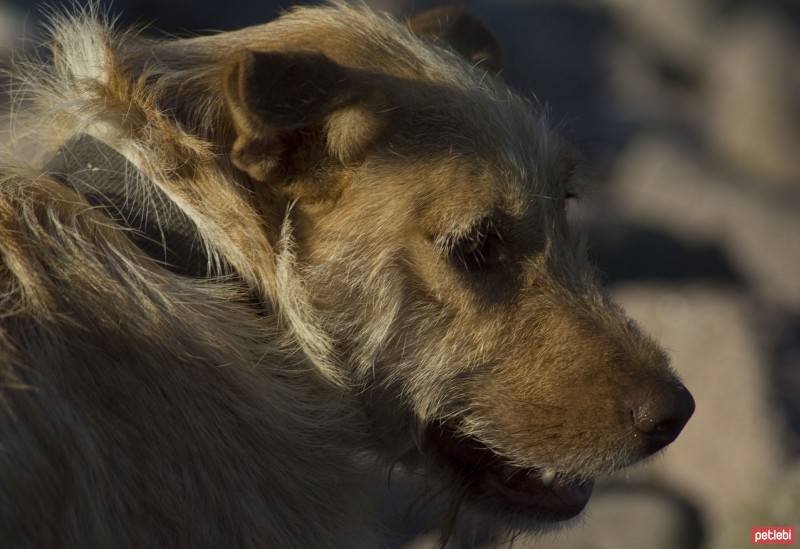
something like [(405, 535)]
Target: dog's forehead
[(484, 123), (483, 141)]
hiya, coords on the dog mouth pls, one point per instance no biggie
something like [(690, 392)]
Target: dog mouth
[(544, 494)]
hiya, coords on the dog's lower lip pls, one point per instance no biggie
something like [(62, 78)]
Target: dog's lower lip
[(560, 500), (542, 493), (576, 494)]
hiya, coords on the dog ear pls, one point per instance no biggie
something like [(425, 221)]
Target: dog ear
[(463, 33), (276, 99)]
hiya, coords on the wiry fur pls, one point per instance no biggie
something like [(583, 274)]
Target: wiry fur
[(146, 408)]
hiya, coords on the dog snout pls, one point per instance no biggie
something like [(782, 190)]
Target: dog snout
[(659, 412)]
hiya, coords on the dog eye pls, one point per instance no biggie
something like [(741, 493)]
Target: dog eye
[(479, 249)]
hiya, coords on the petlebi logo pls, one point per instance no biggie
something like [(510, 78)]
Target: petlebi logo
[(772, 535)]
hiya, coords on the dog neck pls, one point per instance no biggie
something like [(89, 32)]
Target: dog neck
[(108, 180)]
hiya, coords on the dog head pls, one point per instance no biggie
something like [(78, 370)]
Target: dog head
[(429, 263)]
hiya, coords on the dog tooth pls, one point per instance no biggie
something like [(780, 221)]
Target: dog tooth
[(548, 477)]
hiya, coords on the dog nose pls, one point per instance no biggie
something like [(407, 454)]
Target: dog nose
[(659, 412)]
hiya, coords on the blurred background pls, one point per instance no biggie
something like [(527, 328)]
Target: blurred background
[(687, 114)]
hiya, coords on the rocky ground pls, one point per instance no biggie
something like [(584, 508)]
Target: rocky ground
[(688, 113)]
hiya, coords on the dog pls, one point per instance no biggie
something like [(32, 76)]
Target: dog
[(244, 270)]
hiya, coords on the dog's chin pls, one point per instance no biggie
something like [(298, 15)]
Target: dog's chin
[(531, 496)]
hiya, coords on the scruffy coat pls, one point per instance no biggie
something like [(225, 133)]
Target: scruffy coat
[(390, 276)]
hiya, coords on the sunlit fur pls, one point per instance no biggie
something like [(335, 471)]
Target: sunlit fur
[(143, 408)]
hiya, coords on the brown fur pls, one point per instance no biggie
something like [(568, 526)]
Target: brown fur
[(341, 172)]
